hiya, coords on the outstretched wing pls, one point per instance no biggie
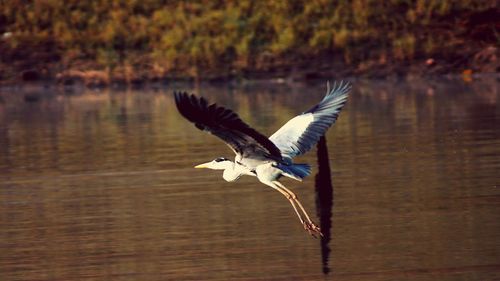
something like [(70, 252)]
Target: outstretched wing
[(224, 123), (302, 132)]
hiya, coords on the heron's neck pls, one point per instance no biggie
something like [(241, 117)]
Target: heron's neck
[(231, 171), (226, 165), (240, 169)]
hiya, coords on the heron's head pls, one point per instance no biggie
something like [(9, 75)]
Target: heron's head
[(220, 163)]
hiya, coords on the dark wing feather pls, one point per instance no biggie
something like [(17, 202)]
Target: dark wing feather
[(226, 124)]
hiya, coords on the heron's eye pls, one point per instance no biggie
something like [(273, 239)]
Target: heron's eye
[(220, 159)]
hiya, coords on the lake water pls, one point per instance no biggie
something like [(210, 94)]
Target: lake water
[(100, 185)]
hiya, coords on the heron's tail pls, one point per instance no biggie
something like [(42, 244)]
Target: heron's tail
[(295, 171)]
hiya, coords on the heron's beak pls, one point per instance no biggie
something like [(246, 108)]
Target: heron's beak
[(201, 166)]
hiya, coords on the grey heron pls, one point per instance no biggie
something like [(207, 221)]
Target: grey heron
[(268, 159)]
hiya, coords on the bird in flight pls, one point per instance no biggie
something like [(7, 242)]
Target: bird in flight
[(268, 159)]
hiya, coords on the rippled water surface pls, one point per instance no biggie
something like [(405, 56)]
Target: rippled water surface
[(100, 185)]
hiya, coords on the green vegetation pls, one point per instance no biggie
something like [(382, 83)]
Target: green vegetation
[(158, 38)]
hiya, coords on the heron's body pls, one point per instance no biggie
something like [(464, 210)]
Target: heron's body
[(268, 159), (264, 171)]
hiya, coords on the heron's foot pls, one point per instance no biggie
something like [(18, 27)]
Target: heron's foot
[(313, 229)]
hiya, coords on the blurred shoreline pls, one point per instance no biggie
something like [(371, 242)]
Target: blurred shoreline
[(130, 44), (320, 69)]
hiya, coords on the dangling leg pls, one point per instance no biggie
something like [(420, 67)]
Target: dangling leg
[(289, 197), (310, 226), (295, 198)]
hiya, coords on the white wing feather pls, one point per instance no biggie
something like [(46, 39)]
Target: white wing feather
[(302, 132)]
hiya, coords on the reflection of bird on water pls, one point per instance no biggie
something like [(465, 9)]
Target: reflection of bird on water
[(266, 158), (324, 200)]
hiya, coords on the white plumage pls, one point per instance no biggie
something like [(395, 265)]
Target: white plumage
[(266, 158), (302, 132)]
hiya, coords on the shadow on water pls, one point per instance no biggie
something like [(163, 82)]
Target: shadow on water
[(324, 200)]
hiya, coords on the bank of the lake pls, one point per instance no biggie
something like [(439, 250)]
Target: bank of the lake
[(134, 43)]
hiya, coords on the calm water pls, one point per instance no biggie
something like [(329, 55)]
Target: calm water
[(99, 185)]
